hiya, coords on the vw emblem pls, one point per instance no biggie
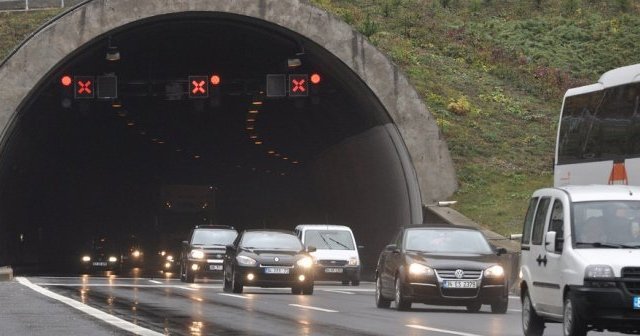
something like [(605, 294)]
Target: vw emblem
[(276, 259), (459, 273)]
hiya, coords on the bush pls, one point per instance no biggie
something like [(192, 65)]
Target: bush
[(460, 106)]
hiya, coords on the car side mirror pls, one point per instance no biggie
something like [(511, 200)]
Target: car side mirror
[(229, 248), (311, 249), (501, 250), (391, 247), (185, 242), (550, 241)]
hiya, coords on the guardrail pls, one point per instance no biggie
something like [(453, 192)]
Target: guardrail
[(26, 5)]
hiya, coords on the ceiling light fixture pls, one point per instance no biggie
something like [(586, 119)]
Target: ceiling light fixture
[(113, 54)]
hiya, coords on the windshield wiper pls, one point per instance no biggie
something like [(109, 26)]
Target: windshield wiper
[(339, 243), (599, 244)]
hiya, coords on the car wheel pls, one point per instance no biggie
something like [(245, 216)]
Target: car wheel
[(345, 282), (500, 307), (532, 324), (381, 302), (226, 283), (307, 290), (355, 282), (236, 285), (474, 307), (572, 323), (189, 277), (296, 290), (402, 303)]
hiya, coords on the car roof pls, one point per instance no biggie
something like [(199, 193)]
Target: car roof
[(270, 230), (585, 193), (227, 227), (323, 227), (439, 226)]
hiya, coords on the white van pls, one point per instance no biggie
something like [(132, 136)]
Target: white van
[(580, 262), (336, 257)]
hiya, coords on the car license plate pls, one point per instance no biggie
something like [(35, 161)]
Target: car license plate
[(215, 267), (276, 270), (100, 263), (636, 302), (333, 270), (459, 284)]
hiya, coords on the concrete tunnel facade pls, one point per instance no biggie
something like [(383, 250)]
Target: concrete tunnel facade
[(420, 170)]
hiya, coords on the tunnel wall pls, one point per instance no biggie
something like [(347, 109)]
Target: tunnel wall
[(22, 71)]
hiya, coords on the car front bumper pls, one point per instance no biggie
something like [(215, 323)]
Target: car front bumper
[(488, 291), (609, 308), (337, 273), (212, 266), (260, 277)]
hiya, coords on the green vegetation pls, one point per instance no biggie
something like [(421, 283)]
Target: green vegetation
[(492, 73)]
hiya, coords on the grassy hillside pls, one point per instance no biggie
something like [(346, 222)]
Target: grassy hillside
[(493, 72)]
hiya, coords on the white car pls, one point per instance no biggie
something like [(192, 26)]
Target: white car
[(336, 256), (580, 261)]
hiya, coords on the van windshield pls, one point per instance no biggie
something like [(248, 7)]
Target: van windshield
[(606, 224), (329, 239)]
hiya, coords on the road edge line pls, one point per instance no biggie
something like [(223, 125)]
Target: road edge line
[(96, 313)]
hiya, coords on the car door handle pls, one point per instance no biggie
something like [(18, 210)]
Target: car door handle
[(542, 260)]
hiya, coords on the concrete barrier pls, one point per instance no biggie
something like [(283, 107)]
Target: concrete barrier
[(6, 273)]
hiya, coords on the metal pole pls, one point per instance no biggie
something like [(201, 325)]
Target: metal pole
[(61, 3), (26, 5)]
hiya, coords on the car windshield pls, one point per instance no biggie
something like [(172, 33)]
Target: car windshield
[(446, 241), (329, 239), (213, 237), (271, 241), (606, 224)]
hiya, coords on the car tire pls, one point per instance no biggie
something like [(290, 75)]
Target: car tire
[(307, 290), (296, 290), (573, 323), (402, 303), (532, 324), (345, 282), (474, 307), (355, 282), (381, 302), (500, 307), (236, 284), (226, 283), (189, 277)]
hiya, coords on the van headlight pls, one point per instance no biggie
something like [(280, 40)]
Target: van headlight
[(419, 269), (113, 259), (305, 262), (197, 254), (598, 272), (495, 271), (86, 258), (353, 261), (245, 261)]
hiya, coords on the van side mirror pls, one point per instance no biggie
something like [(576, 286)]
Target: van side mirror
[(550, 241), (185, 243), (391, 247), (311, 249)]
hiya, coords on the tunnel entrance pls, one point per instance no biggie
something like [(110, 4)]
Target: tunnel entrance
[(75, 167)]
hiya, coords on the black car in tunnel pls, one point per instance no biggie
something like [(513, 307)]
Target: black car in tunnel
[(268, 258), (101, 254), (441, 265), (203, 253)]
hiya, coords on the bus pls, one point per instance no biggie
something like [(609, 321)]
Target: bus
[(598, 138)]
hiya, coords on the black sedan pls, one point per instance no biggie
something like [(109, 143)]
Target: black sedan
[(268, 258), (441, 265)]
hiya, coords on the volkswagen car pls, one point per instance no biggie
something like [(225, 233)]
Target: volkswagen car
[(268, 258), (203, 253), (441, 265)]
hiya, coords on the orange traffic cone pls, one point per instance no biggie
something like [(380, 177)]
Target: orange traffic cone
[(618, 174)]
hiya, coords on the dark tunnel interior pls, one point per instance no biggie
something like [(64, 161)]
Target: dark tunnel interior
[(75, 168)]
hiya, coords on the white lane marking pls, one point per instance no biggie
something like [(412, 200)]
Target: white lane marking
[(314, 308), (155, 282), (115, 321), (234, 295), (350, 289), (338, 291), (126, 286), (187, 288), (514, 297), (516, 310), (445, 331)]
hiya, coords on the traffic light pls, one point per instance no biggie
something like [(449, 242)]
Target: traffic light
[(198, 86), (276, 86), (83, 87), (299, 85)]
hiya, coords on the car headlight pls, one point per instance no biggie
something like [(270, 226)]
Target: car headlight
[(353, 261), (113, 259), (136, 254), (86, 258), (495, 271), (162, 253), (197, 254), (305, 262), (169, 258), (419, 269), (598, 272), (245, 261)]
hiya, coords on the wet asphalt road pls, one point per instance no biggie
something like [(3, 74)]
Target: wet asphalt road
[(168, 306)]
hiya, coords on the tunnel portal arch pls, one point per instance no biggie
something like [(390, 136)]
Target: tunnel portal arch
[(422, 152)]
